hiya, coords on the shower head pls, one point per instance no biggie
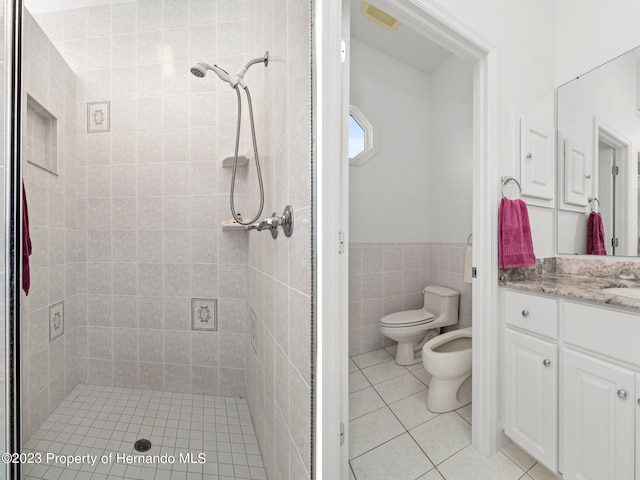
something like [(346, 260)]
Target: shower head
[(199, 69)]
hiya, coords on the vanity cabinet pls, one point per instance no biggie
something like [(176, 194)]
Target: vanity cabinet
[(571, 381), (531, 395), (598, 419), (599, 392), (531, 375)]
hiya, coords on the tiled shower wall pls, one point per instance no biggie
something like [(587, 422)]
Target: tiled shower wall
[(154, 194), (385, 278), (50, 369), (280, 271)]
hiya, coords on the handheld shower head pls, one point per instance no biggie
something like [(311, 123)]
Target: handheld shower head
[(199, 69)]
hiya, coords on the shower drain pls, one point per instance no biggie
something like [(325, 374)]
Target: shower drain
[(142, 445)]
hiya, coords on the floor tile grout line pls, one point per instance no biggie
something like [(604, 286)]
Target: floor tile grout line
[(388, 405), (461, 416), (376, 446)]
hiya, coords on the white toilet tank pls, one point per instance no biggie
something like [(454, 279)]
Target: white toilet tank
[(443, 303)]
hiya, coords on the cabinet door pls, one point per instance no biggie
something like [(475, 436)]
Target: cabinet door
[(577, 177), (537, 159), (531, 403), (598, 419)]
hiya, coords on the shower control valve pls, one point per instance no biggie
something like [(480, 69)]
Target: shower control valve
[(274, 221)]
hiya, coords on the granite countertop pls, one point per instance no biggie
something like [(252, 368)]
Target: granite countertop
[(584, 287)]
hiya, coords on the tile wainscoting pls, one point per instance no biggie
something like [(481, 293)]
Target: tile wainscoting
[(389, 277)]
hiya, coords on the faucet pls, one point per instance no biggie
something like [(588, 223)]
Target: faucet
[(274, 221)]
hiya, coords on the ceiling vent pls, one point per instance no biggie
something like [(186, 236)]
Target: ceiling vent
[(379, 16)]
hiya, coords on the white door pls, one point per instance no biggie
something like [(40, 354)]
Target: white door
[(577, 177), (531, 395), (598, 427)]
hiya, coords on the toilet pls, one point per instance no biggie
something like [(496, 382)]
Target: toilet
[(413, 328), (447, 358)]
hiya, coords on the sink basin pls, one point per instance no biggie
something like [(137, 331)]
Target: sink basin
[(632, 292)]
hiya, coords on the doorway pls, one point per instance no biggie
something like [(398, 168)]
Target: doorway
[(613, 167), (414, 101), (435, 23)]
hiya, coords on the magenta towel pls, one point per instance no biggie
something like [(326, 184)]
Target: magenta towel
[(515, 246), (595, 235), (26, 244)]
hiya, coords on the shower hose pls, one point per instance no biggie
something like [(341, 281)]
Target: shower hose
[(255, 156)]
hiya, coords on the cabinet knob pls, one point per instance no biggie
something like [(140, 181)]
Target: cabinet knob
[(588, 177), (529, 156), (546, 362), (622, 394), (525, 313)]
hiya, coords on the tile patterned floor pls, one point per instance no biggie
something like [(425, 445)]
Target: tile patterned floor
[(392, 435), (100, 421)]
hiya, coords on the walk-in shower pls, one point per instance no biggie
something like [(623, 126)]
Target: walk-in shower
[(200, 70), (151, 318)]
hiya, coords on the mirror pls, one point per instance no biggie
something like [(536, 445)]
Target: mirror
[(598, 141)]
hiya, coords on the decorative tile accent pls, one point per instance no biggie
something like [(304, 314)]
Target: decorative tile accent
[(98, 117), (204, 314), (56, 321)]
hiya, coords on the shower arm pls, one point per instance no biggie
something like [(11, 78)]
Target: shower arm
[(238, 79)]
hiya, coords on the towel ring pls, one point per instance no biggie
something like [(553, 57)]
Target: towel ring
[(506, 180), (469, 242), (592, 201)]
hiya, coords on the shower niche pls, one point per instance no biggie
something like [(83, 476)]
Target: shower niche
[(41, 142)]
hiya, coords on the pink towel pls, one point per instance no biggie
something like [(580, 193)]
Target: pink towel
[(26, 244), (595, 235), (515, 246)]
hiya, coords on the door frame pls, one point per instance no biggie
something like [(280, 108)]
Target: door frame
[(430, 19), (625, 201)]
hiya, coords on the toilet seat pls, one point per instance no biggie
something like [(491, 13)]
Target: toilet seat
[(450, 342), (408, 318)]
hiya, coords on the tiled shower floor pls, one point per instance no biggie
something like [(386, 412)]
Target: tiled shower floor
[(100, 421)]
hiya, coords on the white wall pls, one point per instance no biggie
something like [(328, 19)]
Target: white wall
[(388, 195), (591, 33), (423, 128), (523, 33), (450, 183)]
